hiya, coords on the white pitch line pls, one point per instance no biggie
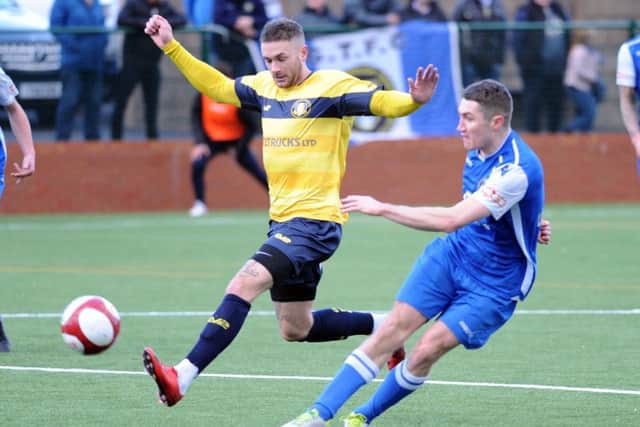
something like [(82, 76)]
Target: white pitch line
[(327, 379), (614, 312)]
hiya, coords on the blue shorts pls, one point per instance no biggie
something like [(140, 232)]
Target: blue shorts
[(293, 253), (437, 286)]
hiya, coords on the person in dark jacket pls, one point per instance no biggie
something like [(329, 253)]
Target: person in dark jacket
[(542, 55), (372, 13), (244, 19), (140, 62), (425, 10), (482, 51), (315, 16), (82, 65)]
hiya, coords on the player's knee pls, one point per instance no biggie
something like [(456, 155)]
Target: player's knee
[(293, 333), (294, 329)]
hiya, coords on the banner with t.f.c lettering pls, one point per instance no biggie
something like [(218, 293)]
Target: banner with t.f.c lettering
[(388, 56)]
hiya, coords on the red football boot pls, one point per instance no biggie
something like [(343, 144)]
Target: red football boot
[(165, 377), (395, 359)]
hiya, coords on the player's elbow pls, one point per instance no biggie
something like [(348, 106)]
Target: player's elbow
[(450, 224)]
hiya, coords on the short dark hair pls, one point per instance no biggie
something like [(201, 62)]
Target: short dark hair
[(281, 29), (493, 97)]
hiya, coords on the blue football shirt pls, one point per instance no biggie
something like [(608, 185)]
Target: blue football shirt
[(499, 251), (628, 65)]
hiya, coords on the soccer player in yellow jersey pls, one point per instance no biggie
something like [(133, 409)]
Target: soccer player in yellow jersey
[(306, 122)]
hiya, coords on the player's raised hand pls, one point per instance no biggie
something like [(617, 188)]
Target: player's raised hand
[(27, 168), (364, 204), (159, 30), (424, 85), (544, 235)]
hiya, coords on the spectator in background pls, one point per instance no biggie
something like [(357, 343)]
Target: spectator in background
[(316, 13), (21, 129), (541, 55), (426, 10), (199, 12), (372, 13), (217, 128), (273, 8), (627, 78), (482, 51), (140, 62), (582, 80), (244, 19), (82, 65)]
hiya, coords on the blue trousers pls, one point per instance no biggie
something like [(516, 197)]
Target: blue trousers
[(584, 104), (80, 88)]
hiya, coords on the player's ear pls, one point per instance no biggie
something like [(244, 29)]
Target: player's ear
[(304, 52), (497, 121)]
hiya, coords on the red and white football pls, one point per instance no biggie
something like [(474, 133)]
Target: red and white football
[(90, 324)]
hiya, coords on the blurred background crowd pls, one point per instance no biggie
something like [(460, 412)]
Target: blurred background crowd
[(87, 72)]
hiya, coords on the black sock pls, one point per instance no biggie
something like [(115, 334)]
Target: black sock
[(221, 328), (2, 335), (335, 324)]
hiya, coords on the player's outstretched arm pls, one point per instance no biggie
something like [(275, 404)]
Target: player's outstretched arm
[(424, 86), (202, 76), (428, 218), (21, 128), (160, 31), (393, 103)]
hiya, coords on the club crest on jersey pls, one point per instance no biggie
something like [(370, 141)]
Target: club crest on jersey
[(301, 108)]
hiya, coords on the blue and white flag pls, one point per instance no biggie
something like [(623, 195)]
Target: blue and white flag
[(388, 56)]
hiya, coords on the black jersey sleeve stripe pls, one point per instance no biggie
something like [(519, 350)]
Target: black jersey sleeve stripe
[(247, 95), (356, 104), (352, 104)]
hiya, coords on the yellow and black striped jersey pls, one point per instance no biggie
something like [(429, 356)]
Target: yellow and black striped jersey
[(305, 137), (305, 129)]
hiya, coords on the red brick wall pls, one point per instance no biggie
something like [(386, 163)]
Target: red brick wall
[(156, 176)]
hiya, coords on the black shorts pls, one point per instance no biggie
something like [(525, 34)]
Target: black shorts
[(293, 254)]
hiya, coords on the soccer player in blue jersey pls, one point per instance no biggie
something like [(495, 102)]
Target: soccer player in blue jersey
[(468, 281), (306, 121), (628, 81), (21, 128)]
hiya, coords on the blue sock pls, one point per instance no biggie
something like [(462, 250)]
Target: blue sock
[(398, 384), (357, 371), (335, 324), (221, 328)]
